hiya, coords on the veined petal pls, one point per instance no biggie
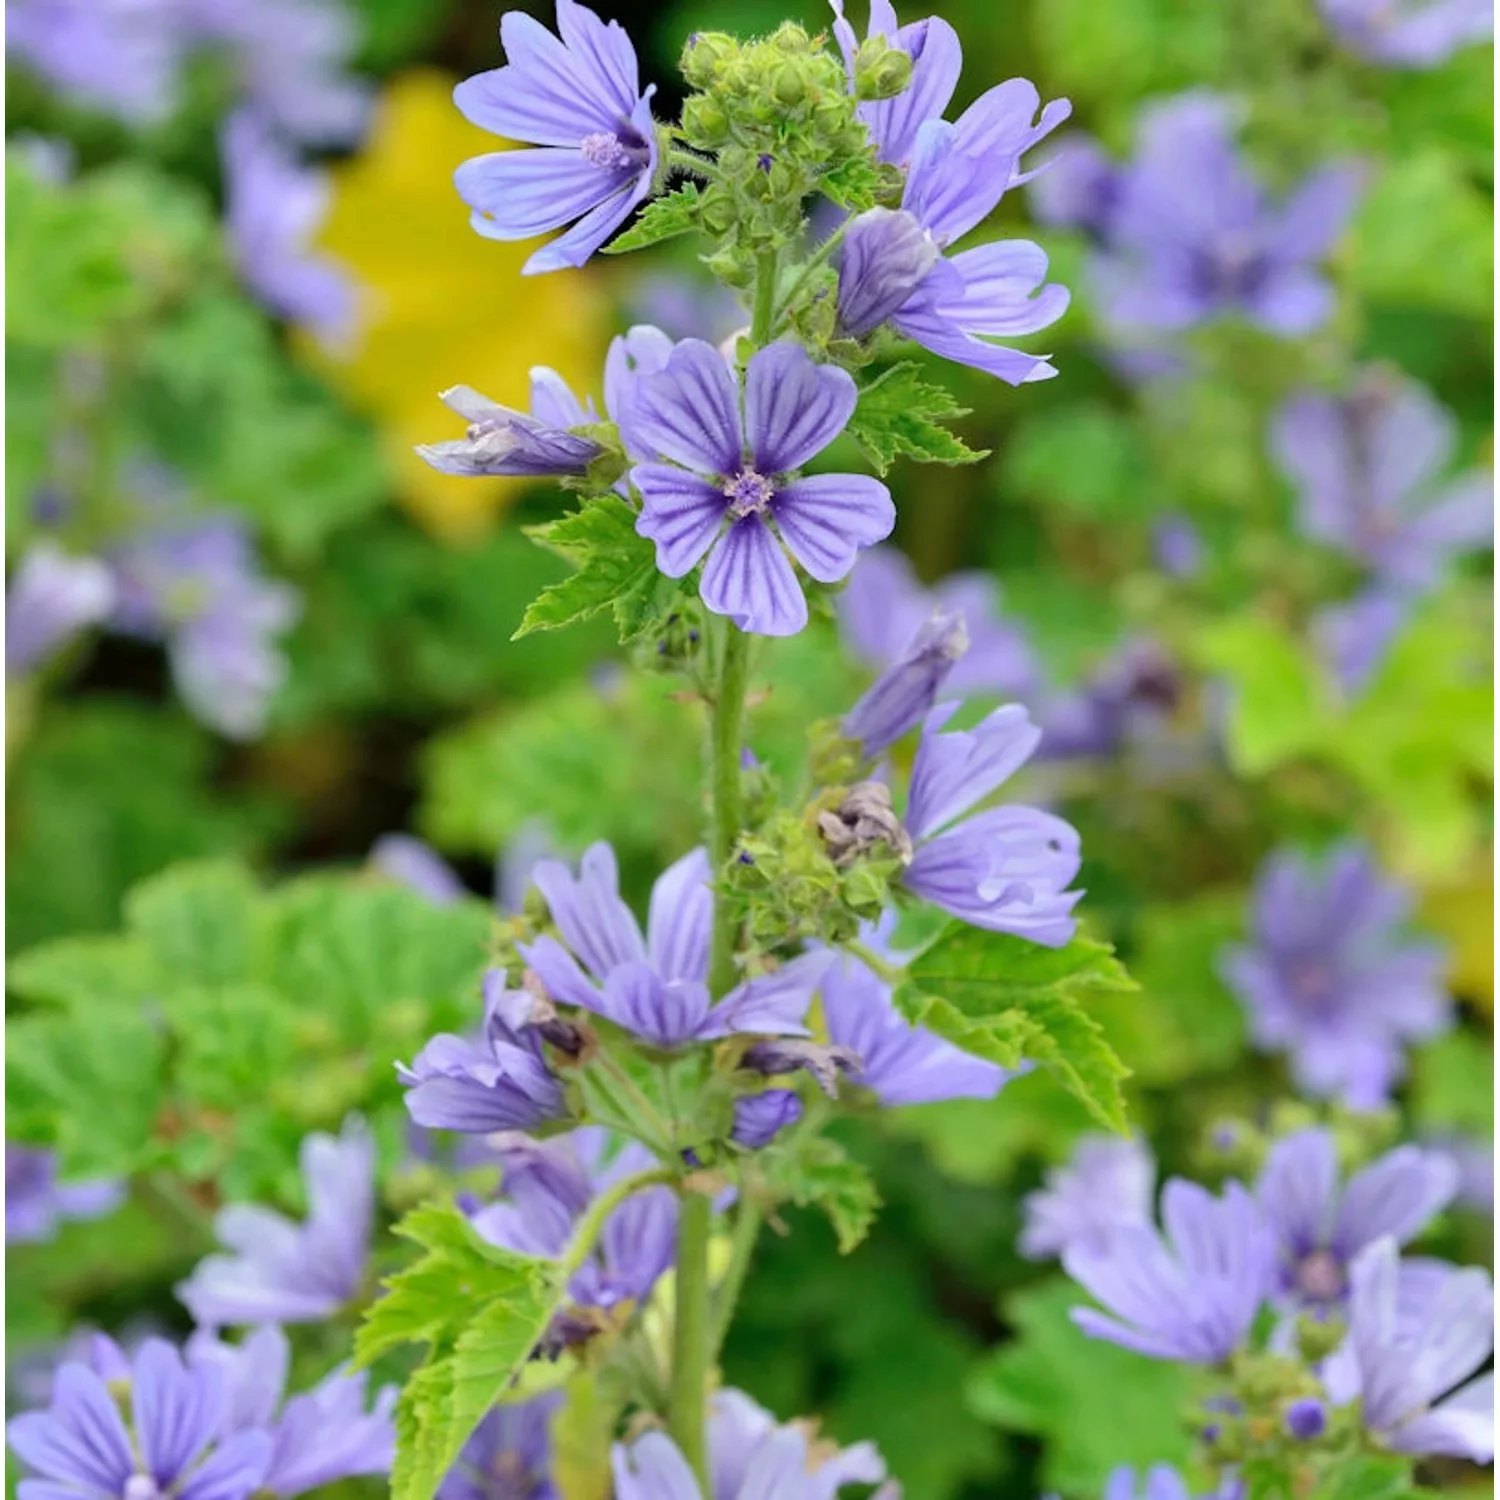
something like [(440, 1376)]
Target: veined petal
[(603, 50), (652, 1468), (997, 126), (773, 1004), (1297, 1189), (887, 256), (1396, 1195), (595, 923), (535, 104), (680, 922), (553, 401), (234, 1471), (748, 578), (558, 970), (826, 518), (81, 1441), (1000, 290), (688, 411), (639, 999), (955, 770), (175, 1411), (640, 351), (680, 512), (518, 194), (944, 337), (948, 191), (793, 408), (936, 61)]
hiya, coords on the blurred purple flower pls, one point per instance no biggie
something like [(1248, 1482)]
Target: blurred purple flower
[(1005, 869), (1161, 1483), (749, 1457), (1331, 978), (1306, 1419), (418, 866), (1474, 1161), (1106, 1183), (760, 1118), (282, 1272), (1354, 637), (655, 986), (689, 413), (1368, 470), (641, 351), (508, 1456), (1077, 188), (1404, 1370), (36, 1203), (1129, 699), (883, 606), (81, 1448), (578, 100), (318, 1436), (1321, 1225), (273, 208), (1190, 1295), (687, 307), (1409, 33), (50, 599), (904, 693), (1177, 546)]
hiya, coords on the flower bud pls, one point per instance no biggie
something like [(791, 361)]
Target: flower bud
[(790, 87), (717, 213), (760, 1118), (704, 54), (880, 70), (901, 696), (1306, 1419), (704, 122)]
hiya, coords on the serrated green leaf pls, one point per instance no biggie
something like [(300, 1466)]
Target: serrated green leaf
[(662, 218), (899, 413), (198, 921), (1005, 999), (854, 184), (84, 971), (819, 1173)]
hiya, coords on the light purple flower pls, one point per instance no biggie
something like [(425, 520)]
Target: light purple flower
[(50, 599), (36, 1203), (283, 1272), (883, 606), (525, 445), (1127, 701), (1193, 236), (1162, 1482), (418, 866), (760, 1118), (737, 469), (1077, 188), (497, 1081), (578, 100), (273, 208), (1006, 869), (1106, 1183), (1330, 977), (1321, 1225), (1407, 1372), (1474, 1161), (1177, 546), (508, 1456), (1354, 637), (318, 1436), (546, 1185), (749, 1457), (655, 985), (1409, 33), (81, 1446), (903, 695), (1190, 1295), (1369, 470)]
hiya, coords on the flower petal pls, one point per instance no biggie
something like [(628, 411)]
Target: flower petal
[(679, 925), (652, 1468), (81, 1441), (793, 408), (518, 194), (772, 1004), (826, 518), (748, 578), (233, 1472), (1000, 290), (595, 923), (1298, 1187), (688, 411), (176, 1412), (937, 59), (1396, 1195), (680, 512)]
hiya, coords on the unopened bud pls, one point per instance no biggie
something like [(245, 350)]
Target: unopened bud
[(704, 122), (704, 54), (880, 70), (790, 87)]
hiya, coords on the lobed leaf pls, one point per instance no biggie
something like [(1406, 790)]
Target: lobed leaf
[(819, 1173), (662, 218), (899, 413)]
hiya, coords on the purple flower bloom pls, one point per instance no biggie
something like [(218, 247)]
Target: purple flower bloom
[(760, 1118), (1193, 236), (1107, 1183), (883, 606), (36, 1202), (508, 1456), (579, 101), (1330, 978), (81, 1446), (689, 414), (1404, 1370), (903, 695), (1306, 1419), (1005, 869), (1078, 187), (497, 1081), (657, 985), (1474, 1161), (1368, 469), (50, 599), (1129, 699), (1322, 1226), (273, 208), (1162, 1483), (519, 444), (319, 1436), (548, 1184), (281, 1272), (1354, 637), (1190, 1296), (1409, 33), (1177, 546), (418, 866), (749, 1457)]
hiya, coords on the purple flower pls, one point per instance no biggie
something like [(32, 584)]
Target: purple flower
[(1322, 1225), (899, 1063), (749, 1457), (1353, 637), (508, 1456), (883, 606), (1193, 236), (1005, 869), (689, 414), (1077, 188), (640, 351), (1107, 1183), (1190, 1295), (1330, 978), (418, 866), (578, 101), (1129, 699), (51, 598), (1177, 546), (497, 1081), (1306, 1419), (1404, 1370), (1368, 470), (548, 1184), (36, 1202), (82, 1447), (1409, 33), (1474, 1161), (273, 208), (526, 445), (760, 1118), (319, 1436), (281, 1272), (903, 695), (657, 985), (1162, 1483)]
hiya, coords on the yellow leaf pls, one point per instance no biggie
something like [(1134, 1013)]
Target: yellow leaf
[(442, 305)]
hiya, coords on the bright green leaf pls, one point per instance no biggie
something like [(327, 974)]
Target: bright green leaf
[(819, 1173), (662, 218), (899, 413)]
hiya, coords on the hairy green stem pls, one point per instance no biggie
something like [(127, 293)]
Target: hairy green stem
[(688, 1402), (591, 1225), (727, 735), (688, 161), (811, 264), (763, 310), (747, 1224)]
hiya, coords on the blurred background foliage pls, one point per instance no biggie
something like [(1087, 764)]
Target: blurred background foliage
[(161, 869)]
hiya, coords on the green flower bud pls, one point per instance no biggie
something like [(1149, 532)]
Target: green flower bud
[(704, 122), (705, 54), (790, 87), (880, 70), (717, 214)]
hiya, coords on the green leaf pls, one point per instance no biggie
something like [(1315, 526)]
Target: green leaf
[(1082, 457), (819, 1173), (1005, 999), (662, 218), (198, 920), (899, 413), (854, 184), (84, 971), (616, 569), (1453, 1085)]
